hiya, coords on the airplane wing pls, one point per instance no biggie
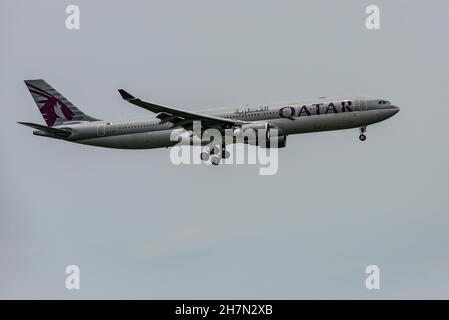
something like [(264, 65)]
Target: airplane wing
[(180, 117)]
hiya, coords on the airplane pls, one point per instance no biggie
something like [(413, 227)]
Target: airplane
[(67, 122)]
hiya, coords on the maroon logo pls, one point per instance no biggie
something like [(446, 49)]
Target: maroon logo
[(52, 107)]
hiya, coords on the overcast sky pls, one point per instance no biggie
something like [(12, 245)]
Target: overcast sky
[(140, 227)]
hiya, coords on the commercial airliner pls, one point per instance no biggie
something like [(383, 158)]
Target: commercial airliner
[(66, 122)]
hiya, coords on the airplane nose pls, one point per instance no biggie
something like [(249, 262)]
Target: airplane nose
[(387, 112), (395, 109)]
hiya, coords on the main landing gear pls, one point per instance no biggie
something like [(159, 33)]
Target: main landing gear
[(215, 154), (362, 135)]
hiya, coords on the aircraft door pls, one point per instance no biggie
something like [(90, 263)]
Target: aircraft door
[(101, 130), (362, 105)]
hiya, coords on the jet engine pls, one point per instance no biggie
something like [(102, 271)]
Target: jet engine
[(277, 142), (261, 134)]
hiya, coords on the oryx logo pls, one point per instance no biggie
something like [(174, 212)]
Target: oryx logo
[(51, 107)]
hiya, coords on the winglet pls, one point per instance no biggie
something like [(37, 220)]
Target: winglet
[(125, 95)]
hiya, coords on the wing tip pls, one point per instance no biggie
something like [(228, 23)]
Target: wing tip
[(125, 95)]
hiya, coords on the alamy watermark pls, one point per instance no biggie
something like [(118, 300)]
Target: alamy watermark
[(372, 282), (254, 143), (372, 21), (72, 281), (72, 21)]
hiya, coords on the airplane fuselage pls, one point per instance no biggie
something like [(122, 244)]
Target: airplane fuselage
[(323, 114)]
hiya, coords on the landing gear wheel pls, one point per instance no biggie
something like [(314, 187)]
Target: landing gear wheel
[(225, 154), (362, 136), (204, 156), (215, 160), (214, 150)]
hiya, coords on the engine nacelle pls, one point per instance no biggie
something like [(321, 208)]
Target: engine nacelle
[(261, 134), (251, 130), (277, 142)]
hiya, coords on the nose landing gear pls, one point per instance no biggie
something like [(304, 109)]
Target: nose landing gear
[(362, 135)]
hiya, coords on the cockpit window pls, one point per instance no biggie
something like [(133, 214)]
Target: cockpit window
[(384, 102)]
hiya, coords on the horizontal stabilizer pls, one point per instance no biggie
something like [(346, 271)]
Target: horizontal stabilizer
[(64, 133)]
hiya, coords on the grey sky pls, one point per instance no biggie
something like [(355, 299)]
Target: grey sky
[(140, 227)]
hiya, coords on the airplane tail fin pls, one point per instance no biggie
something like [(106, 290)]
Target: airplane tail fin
[(54, 107)]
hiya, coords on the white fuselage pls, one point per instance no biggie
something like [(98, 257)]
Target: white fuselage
[(291, 118)]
